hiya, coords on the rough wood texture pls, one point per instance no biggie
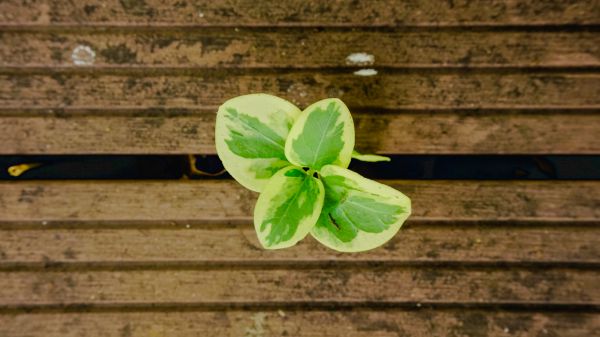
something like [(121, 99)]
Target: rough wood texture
[(206, 245), (385, 90), (355, 323), (302, 48), (228, 201), (401, 132), (180, 258), (290, 285), (298, 12)]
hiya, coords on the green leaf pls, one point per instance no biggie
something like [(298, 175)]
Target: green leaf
[(323, 134), (358, 213), (369, 157), (250, 136), (288, 208)]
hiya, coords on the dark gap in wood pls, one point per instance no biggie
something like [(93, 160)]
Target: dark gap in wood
[(224, 71), (204, 225), (297, 306), (212, 265), (445, 167)]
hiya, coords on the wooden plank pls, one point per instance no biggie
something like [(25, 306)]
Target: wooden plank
[(293, 48), (292, 285), (404, 132), (227, 201), (355, 323), (391, 90), (298, 12), (204, 245)]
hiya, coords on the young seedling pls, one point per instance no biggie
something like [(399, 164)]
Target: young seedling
[(298, 162)]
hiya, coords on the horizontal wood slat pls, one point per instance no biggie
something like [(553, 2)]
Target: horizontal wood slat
[(298, 12), (391, 133), (384, 90), (202, 245), (289, 285), (223, 200), (304, 49), (355, 323)]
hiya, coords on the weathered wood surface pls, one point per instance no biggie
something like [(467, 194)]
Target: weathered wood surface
[(355, 323), (205, 245), (298, 13), (290, 285), (228, 201), (165, 258), (304, 49), (404, 132), (210, 88)]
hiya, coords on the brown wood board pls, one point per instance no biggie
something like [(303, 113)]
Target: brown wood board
[(226, 200), (391, 133), (304, 49), (198, 244), (210, 88), (298, 13)]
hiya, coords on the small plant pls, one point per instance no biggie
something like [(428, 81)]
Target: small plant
[(298, 162)]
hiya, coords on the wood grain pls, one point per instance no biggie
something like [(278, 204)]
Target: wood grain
[(355, 323), (227, 201), (302, 48), (393, 133), (211, 88), (298, 13), (201, 245), (289, 285)]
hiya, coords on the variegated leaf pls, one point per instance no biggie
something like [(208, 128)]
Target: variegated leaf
[(250, 136), (323, 134), (287, 208), (358, 213), (369, 157)]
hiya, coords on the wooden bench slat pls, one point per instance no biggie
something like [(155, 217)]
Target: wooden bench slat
[(393, 285), (384, 90), (226, 200), (298, 12), (305, 49), (199, 245), (355, 323), (398, 133)]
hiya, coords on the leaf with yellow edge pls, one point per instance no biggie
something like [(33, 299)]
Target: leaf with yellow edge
[(358, 213), (287, 208), (323, 134), (369, 157), (250, 136)]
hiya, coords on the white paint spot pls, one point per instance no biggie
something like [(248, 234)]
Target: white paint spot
[(200, 14), (187, 226), (83, 56), (366, 72), (281, 313), (258, 328), (360, 59), (418, 305), (506, 330), (44, 223)]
